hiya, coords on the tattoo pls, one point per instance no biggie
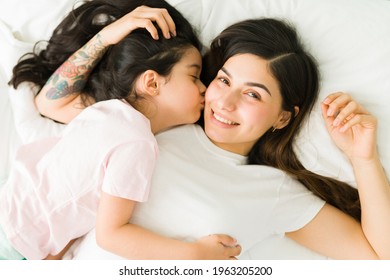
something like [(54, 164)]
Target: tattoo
[(62, 89), (71, 76)]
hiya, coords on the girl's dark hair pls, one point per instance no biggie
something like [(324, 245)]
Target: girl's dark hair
[(298, 79), (114, 76)]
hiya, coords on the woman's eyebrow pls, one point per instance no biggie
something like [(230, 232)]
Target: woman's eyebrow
[(252, 84)]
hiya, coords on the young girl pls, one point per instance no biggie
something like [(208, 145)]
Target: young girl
[(108, 151)]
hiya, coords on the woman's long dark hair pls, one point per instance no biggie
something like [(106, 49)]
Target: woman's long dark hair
[(114, 76), (298, 78)]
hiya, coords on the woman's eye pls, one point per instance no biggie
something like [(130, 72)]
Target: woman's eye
[(254, 95), (223, 80)]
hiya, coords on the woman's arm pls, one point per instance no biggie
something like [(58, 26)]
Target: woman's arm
[(375, 202), (115, 234), (353, 129), (60, 98), (334, 234)]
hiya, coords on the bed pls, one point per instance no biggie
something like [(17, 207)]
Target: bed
[(349, 38)]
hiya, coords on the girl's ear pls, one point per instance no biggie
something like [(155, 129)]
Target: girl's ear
[(148, 83)]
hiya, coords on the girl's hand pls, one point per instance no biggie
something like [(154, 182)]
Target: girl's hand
[(352, 128), (217, 247), (141, 17)]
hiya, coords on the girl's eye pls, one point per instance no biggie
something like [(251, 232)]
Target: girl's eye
[(195, 77)]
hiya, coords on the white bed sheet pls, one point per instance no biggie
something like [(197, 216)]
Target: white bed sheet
[(349, 38)]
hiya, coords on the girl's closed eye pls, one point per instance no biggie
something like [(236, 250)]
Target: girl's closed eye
[(195, 77)]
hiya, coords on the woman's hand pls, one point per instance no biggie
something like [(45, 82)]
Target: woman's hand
[(141, 17), (352, 128)]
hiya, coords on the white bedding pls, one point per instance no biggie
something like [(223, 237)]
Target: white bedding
[(349, 38)]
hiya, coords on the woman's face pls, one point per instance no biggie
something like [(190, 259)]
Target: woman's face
[(242, 103)]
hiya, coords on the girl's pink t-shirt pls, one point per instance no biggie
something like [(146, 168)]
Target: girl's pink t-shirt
[(53, 190)]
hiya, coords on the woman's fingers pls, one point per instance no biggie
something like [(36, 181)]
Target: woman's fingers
[(160, 16), (141, 17), (165, 22), (149, 26), (340, 110), (336, 101), (346, 113)]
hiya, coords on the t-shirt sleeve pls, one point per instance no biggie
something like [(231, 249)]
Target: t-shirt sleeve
[(295, 207), (129, 169)]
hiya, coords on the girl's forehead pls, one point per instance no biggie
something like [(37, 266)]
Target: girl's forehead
[(191, 56)]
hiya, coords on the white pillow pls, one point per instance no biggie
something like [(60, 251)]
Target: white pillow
[(31, 21)]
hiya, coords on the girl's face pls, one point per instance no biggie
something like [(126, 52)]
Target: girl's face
[(242, 103), (182, 93)]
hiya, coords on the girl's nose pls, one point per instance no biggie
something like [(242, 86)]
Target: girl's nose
[(202, 89)]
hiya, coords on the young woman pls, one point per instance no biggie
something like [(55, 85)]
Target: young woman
[(223, 178), (107, 153), (238, 175)]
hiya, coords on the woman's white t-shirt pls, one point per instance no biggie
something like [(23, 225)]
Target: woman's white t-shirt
[(199, 189)]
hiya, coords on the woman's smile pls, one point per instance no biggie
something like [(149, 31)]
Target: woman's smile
[(223, 120)]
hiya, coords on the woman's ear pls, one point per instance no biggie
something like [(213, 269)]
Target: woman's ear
[(296, 111), (148, 83), (284, 118)]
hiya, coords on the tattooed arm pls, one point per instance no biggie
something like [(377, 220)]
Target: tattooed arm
[(61, 98)]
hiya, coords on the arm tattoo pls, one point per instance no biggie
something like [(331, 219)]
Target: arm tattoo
[(71, 76)]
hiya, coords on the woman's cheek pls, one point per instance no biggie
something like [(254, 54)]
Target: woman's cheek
[(211, 92)]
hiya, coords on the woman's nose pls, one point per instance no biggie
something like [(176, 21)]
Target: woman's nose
[(227, 101)]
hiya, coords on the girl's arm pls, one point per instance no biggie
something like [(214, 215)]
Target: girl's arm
[(60, 98), (353, 129), (115, 234), (61, 254)]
